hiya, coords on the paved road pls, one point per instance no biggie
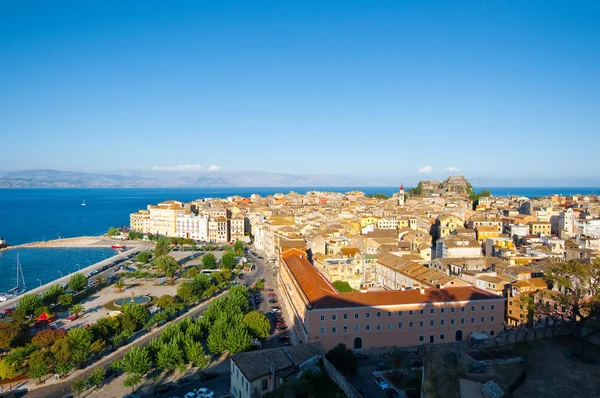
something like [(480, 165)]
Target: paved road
[(220, 385)]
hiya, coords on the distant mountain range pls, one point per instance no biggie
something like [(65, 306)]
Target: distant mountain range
[(144, 179)]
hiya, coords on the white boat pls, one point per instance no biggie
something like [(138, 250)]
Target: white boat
[(17, 290), (83, 204)]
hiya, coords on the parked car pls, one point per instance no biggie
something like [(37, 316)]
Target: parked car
[(205, 376), (164, 389), (272, 295), (284, 338), (9, 310), (379, 382), (184, 382), (282, 327), (205, 393)]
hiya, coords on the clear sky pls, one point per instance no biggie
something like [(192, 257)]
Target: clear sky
[(495, 90)]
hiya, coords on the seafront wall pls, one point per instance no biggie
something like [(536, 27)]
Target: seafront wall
[(76, 242)]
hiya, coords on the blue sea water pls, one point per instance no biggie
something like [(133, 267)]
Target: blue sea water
[(30, 215)]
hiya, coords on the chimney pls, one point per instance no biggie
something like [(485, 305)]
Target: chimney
[(422, 290), (442, 286), (403, 288), (363, 289)]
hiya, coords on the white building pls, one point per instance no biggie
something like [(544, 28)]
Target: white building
[(458, 246), (191, 226)]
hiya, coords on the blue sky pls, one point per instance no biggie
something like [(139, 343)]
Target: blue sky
[(501, 90)]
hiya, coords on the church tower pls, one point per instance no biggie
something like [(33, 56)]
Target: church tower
[(401, 196)]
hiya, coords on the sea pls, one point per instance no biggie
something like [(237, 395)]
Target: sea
[(32, 215)]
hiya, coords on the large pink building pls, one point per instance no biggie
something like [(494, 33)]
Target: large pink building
[(364, 320)]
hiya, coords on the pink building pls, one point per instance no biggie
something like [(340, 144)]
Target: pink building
[(364, 320)]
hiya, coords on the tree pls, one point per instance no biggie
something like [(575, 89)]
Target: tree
[(343, 359), (217, 336), (80, 341), (343, 286), (165, 301), (52, 294), (485, 193), (258, 324), (47, 338), (194, 353), (62, 352), (162, 247), (79, 386), (238, 247), (228, 260), (77, 282), (77, 309), (13, 335), (134, 317), (97, 376), (112, 231), (65, 299), (209, 261), (143, 257), (167, 265), (119, 284), (238, 339), (576, 304), (199, 284), (7, 370), (98, 346), (39, 364), (137, 361), (191, 272), (184, 290), (131, 381), (28, 303), (169, 357)]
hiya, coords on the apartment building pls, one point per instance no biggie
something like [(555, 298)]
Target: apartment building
[(237, 227), (218, 230), (370, 319), (140, 221), (458, 246), (163, 217), (191, 226)]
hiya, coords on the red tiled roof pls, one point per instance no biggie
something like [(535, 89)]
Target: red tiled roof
[(322, 294)]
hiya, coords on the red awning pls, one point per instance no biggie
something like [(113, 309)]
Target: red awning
[(44, 317)]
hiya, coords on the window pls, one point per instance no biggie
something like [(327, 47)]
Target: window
[(400, 313), (389, 325), (442, 322), (232, 367), (462, 321), (421, 312), (491, 319), (356, 315), (379, 326), (333, 329), (432, 310), (400, 325), (431, 323), (452, 309), (334, 317), (409, 312), (265, 384), (491, 332), (322, 318), (345, 329), (322, 330), (451, 321), (368, 315), (462, 309), (510, 311), (482, 319), (378, 314), (367, 327), (432, 339), (441, 337), (472, 308), (442, 310), (493, 307), (421, 323), (472, 319), (389, 313), (356, 328), (345, 316), (421, 338), (483, 308)]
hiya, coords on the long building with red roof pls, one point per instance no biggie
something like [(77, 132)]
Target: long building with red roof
[(371, 319)]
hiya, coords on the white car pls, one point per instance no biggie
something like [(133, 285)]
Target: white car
[(379, 382), (201, 393)]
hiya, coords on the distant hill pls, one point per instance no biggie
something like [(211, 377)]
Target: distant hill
[(49, 178)]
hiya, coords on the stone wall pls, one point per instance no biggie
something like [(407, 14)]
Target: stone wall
[(340, 380)]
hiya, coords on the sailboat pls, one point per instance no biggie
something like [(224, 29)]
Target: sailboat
[(83, 204), (17, 290)]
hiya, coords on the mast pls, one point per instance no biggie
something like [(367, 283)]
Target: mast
[(20, 273)]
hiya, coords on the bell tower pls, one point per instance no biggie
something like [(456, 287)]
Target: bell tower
[(401, 196)]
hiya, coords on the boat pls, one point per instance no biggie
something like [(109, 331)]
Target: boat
[(17, 290), (118, 247), (3, 243), (83, 204)]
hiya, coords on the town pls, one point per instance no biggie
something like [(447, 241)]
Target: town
[(319, 294)]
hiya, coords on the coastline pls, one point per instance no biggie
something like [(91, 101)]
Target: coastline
[(75, 242)]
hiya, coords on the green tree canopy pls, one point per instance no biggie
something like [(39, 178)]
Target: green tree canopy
[(80, 340), (169, 357), (343, 286), (137, 361), (77, 309), (378, 196), (52, 294), (62, 351), (257, 324), (162, 247), (47, 338), (228, 260), (112, 231), (184, 290), (209, 261), (134, 317), (143, 257), (65, 299), (343, 359), (97, 376), (28, 303), (79, 386), (167, 265), (191, 272), (39, 364), (131, 381), (77, 282), (194, 353)]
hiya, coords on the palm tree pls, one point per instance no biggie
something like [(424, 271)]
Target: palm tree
[(120, 285), (77, 309)]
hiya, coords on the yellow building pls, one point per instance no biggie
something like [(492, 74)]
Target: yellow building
[(140, 221), (484, 232), (163, 217), (218, 230), (447, 223), (540, 228), (517, 311), (368, 220)]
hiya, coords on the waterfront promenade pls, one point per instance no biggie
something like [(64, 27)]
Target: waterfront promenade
[(132, 247)]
